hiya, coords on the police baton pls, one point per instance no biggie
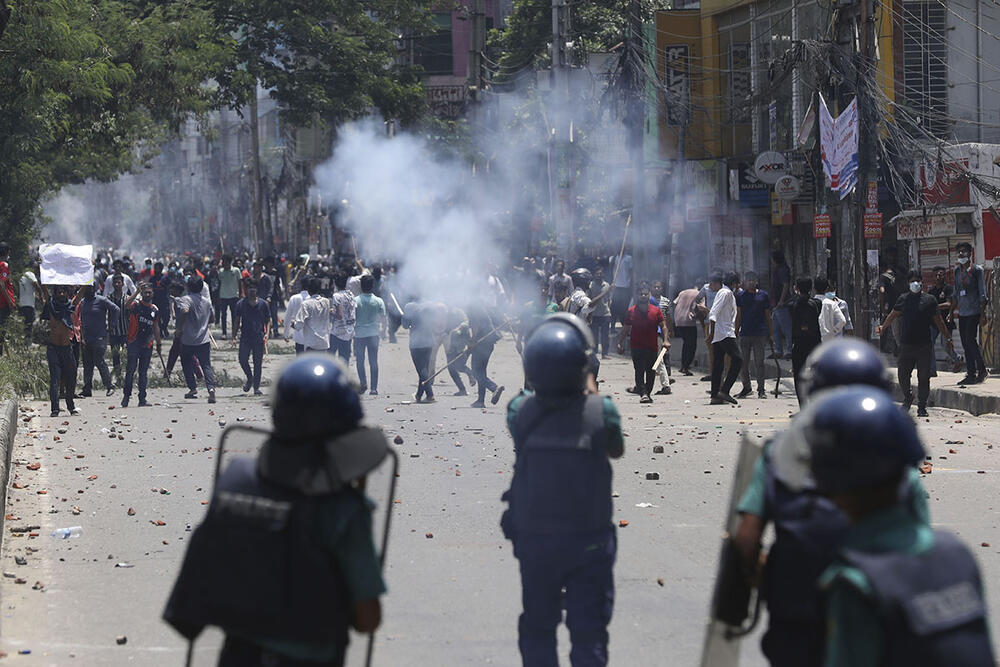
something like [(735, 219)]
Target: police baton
[(385, 538)]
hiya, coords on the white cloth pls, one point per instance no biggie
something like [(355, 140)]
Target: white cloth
[(354, 282), (294, 303), (723, 313), (579, 303), (623, 274), (26, 289), (128, 285), (64, 264), (313, 320), (831, 320)]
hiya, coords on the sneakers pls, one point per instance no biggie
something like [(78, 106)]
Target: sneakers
[(632, 390), (716, 401), (75, 412), (907, 402), (54, 413), (646, 399), (144, 404), (761, 394), (246, 386), (84, 394), (110, 390), (664, 391), (362, 389), (706, 378), (191, 394), (211, 396), (258, 392), (125, 402), (472, 380), (496, 395), (983, 374), (373, 392), (725, 398), (968, 379), (744, 392), (685, 371), (461, 392), (922, 412), (479, 404)]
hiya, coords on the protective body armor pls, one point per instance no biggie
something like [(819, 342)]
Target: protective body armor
[(931, 605), (809, 530), (254, 566), (562, 475)]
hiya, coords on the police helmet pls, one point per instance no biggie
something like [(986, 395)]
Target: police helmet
[(581, 277), (314, 400), (848, 438), (557, 355), (844, 362)]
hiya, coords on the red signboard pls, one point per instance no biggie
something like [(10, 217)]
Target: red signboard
[(871, 201), (821, 226), (873, 225), (945, 183)]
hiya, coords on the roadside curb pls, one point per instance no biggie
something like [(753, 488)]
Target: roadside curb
[(8, 429), (957, 399)]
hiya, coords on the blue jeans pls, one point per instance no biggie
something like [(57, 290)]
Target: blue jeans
[(62, 374), (968, 329), (362, 346), (203, 354), (781, 320), (230, 306), (255, 347), (93, 355), (600, 326), (480, 359), (341, 347), (581, 563), (138, 358)]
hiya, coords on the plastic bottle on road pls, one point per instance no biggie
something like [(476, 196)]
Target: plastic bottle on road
[(67, 533)]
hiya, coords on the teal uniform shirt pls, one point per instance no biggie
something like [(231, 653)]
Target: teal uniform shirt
[(612, 422), (344, 526), (854, 634), (753, 501)]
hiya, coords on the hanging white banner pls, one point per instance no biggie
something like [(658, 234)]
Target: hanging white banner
[(839, 147)]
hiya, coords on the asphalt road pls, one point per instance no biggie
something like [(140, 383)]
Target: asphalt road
[(453, 583)]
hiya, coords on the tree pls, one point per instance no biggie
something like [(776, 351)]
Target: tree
[(89, 91)]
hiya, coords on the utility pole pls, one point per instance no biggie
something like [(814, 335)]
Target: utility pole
[(867, 169), (257, 189), (636, 119), (561, 165), (477, 45)]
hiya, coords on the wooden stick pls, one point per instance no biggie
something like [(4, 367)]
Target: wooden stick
[(621, 253)]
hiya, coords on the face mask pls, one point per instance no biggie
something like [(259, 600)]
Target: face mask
[(831, 295), (915, 287), (963, 260)]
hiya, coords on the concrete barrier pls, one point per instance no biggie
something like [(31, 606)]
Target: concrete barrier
[(8, 429)]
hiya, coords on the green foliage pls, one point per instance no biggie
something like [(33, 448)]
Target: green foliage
[(331, 58)]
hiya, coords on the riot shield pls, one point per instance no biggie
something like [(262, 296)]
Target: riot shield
[(731, 594)]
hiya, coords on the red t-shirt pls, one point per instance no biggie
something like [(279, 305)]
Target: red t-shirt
[(645, 320), (8, 287)]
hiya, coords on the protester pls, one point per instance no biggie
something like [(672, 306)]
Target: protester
[(58, 311), (344, 318), (781, 298), (944, 293), (755, 332), (641, 327), (276, 299), (312, 318), (118, 269), (294, 303), (28, 291), (805, 312), (686, 326), (229, 289), (143, 330), (117, 325), (250, 324), (160, 282), (722, 335), (970, 301), (485, 333), (600, 318), (560, 282), (832, 321), (370, 320), (622, 278), (920, 312), (705, 301), (8, 304), (457, 349), (418, 318), (95, 312), (194, 315), (662, 369)]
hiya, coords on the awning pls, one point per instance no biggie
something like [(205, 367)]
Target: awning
[(931, 212)]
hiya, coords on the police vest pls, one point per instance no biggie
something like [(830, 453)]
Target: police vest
[(562, 475), (931, 605), (255, 568), (809, 530)]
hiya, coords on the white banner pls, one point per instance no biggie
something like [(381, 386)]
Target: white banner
[(64, 264), (839, 146)]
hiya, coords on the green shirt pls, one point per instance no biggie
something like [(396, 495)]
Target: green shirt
[(368, 309), (344, 526), (854, 635), (612, 422), (229, 283)]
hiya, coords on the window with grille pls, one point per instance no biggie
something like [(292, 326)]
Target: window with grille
[(925, 65)]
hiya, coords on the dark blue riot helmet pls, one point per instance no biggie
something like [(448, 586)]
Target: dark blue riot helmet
[(848, 438), (314, 400), (844, 362), (557, 356)]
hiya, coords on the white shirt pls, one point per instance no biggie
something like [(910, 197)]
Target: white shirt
[(831, 320), (723, 313), (847, 315), (26, 296), (313, 320), (128, 286), (623, 273), (294, 303), (579, 303), (354, 282)]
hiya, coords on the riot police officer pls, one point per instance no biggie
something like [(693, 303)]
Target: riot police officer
[(285, 561), (560, 514), (898, 593), (808, 527)]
